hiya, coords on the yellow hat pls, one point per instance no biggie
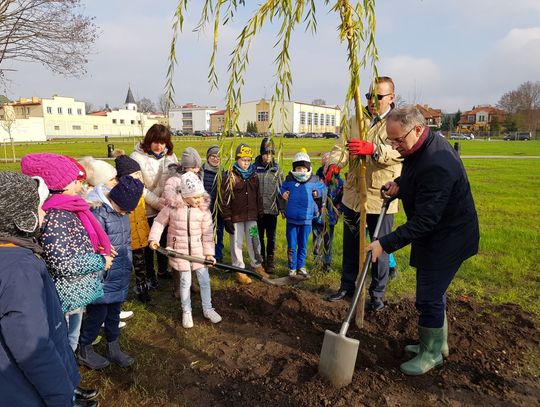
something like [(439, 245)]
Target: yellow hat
[(243, 150)]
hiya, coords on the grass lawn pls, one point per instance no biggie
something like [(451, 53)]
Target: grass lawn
[(506, 191)]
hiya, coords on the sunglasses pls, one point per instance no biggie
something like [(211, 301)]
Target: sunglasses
[(370, 96)]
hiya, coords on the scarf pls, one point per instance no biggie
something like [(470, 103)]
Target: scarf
[(77, 205), (245, 174), (26, 242), (301, 176)]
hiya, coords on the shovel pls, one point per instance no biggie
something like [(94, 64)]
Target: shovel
[(338, 354), (228, 268)]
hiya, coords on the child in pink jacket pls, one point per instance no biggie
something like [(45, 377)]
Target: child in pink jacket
[(191, 232)]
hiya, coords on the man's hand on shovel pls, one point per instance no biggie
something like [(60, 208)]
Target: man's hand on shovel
[(376, 250)]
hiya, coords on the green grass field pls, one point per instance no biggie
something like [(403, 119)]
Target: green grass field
[(506, 192)]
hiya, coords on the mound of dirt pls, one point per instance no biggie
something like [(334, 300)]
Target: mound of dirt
[(266, 350)]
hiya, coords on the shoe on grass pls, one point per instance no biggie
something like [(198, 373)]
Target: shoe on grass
[(187, 320), (302, 272), (212, 315), (292, 273), (125, 315)]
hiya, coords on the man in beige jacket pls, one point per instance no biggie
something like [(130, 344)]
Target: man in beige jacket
[(383, 164)]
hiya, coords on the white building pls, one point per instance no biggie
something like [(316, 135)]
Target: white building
[(299, 117), (190, 117), (64, 117)]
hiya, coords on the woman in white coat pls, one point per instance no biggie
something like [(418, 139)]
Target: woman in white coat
[(154, 154)]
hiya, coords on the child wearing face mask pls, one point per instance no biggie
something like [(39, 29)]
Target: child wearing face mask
[(191, 232), (300, 190)]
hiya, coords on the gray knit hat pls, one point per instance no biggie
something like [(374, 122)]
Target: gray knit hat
[(191, 158), (212, 150), (19, 201)]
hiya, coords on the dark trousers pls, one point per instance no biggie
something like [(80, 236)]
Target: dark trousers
[(379, 269), (267, 225), (431, 286), (219, 238), (351, 252), (149, 255), (139, 266), (323, 239), (96, 315)]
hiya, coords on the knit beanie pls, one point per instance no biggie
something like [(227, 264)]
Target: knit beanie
[(191, 185), (127, 193), (19, 201), (191, 158), (301, 159), (58, 171), (126, 165), (243, 150), (267, 146), (212, 150), (97, 171)]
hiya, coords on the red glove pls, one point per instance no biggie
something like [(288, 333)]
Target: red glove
[(332, 169), (360, 147)]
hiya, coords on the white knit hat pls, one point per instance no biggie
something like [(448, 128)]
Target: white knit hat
[(191, 185), (301, 159), (97, 171)]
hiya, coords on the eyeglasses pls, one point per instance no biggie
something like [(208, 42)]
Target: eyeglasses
[(370, 96), (400, 140)]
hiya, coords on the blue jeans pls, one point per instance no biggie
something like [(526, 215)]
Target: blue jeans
[(204, 283), (431, 286), (219, 237), (326, 241), (73, 321), (297, 242)]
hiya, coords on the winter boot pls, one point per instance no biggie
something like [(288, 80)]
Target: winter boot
[(444, 349), (117, 356), (243, 279), (89, 358), (212, 315), (153, 283), (429, 354), (142, 293), (270, 268), (176, 283), (260, 271)]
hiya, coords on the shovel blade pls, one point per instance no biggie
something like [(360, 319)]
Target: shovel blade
[(338, 357)]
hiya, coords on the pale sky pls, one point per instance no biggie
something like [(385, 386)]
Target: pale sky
[(449, 54)]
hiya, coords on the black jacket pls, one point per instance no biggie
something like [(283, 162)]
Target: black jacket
[(442, 225)]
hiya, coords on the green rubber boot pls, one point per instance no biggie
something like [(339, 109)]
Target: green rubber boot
[(429, 356), (444, 349)]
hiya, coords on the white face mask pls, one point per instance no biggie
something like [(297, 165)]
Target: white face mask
[(301, 176)]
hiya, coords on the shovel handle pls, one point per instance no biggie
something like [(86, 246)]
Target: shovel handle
[(221, 266)]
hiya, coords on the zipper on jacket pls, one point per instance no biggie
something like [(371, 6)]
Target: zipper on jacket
[(174, 242), (189, 238)]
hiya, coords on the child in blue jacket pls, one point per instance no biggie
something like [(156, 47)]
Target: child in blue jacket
[(300, 190), (111, 209)]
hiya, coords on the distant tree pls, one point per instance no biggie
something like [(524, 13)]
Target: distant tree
[(495, 126), (447, 123), (163, 104), (89, 107), (319, 102), (510, 123), (399, 101), (7, 120), (251, 127), (50, 32), (145, 105), (457, 118), (524, 101)]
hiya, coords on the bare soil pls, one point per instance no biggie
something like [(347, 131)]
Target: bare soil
[(266, 350)]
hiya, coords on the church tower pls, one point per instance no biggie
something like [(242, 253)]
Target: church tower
[(130, 104)]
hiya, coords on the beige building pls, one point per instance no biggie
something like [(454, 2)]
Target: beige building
[(299, 117), (64, 117), (217, 121)]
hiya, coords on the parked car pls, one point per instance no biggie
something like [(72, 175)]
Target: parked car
[(330, 135), (312, 135), (456, 136), (291, 135), (517, 136)]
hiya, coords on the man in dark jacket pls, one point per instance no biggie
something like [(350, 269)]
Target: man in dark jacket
[(442, 226), (37, 364)]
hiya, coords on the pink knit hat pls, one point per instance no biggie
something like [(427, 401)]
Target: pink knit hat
[(58, 171)]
